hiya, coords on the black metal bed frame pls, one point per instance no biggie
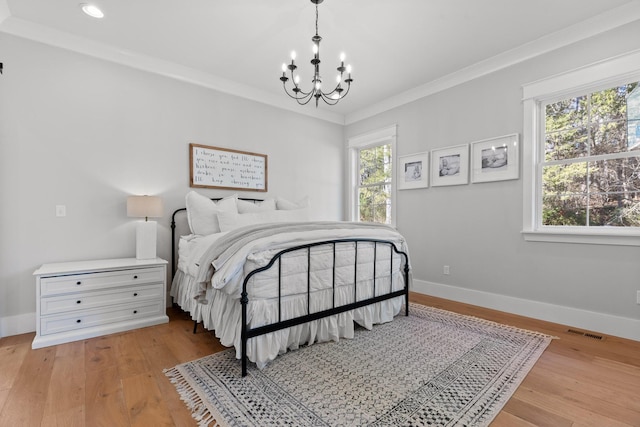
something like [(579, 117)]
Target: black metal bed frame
[(248, 333)]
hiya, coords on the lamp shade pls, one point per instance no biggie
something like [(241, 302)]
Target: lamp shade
[(144, 206)]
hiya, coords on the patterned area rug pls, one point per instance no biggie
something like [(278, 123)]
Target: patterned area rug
[(433, 368)]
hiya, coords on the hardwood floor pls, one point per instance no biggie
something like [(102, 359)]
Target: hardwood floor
[(117, 380)]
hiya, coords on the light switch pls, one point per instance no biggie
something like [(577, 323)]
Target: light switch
[(61, 210)]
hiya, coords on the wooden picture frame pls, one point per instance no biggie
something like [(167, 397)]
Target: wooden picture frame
[(224, 168), (495, 159), (413, 171), (450, 166)]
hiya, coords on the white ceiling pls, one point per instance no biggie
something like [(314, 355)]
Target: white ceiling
[(400, 50)]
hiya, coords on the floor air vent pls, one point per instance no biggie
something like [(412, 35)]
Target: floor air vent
[(586, 334)]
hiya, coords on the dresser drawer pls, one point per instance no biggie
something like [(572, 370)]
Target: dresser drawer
[(92, 299), (90, 281), (98, 317)]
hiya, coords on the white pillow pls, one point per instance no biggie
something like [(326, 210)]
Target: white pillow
[(282, 204), (249, 207), (202, 212), (229, 220)]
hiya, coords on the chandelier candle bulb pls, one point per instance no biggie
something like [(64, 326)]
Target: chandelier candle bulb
[(284, 73)]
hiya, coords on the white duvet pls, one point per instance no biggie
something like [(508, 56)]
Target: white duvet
[(219, 307)]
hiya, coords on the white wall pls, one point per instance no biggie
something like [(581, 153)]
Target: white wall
[(475, 228), (85, 133)]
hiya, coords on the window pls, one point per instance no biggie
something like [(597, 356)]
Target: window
[(582, 155), (374, 183), (371, 172), (591, 166)]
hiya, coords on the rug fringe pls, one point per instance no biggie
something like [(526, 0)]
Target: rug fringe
[(188, 394)]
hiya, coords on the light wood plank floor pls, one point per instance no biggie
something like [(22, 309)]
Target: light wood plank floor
[(117, 380)]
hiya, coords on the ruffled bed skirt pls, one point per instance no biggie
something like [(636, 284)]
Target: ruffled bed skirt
[(222, 314)]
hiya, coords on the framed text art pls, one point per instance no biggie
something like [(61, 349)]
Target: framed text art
[(495, 159), (450, 166), (215, 167), (413, 171)]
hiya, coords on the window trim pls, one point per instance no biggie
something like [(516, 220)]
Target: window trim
[(386, 135), (600, 75)]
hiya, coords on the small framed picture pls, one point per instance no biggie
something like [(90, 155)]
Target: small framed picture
[(495, 159), (450, 166), (413, 171)]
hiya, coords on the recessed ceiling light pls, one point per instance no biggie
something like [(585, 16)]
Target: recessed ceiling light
[(92, 10)]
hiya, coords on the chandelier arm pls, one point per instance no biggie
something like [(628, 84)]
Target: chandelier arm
[(330, 101), (346, 91), (343, 92), (297, 95), (305, 98), (335, 89), (296, 86), (301, 91)]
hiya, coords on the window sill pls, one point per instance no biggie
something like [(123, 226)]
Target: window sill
[(590, 237)]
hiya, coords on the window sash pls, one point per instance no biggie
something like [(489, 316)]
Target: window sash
[(584, 209)]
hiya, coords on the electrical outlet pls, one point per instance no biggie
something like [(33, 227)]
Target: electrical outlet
[(445, 269), (61, 210)]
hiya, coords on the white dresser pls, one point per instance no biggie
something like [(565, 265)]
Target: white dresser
[(78, 300)]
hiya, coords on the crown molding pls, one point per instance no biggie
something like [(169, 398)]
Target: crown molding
[(609, 20), (64, 40)]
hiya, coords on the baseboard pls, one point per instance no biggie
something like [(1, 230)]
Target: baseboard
[(583, 319), (18, 324)]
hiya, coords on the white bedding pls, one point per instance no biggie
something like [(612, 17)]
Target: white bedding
[(220, 309)]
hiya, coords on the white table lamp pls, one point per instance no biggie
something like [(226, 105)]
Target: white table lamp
[(145, 207)]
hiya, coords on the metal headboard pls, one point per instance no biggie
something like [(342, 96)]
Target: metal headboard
[(174, 263)]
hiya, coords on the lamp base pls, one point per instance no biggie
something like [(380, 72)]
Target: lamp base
[(146, 239)]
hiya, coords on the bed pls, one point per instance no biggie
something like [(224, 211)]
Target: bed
[(267, 280)]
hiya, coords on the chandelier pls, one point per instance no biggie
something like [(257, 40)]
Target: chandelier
[(330, 97)]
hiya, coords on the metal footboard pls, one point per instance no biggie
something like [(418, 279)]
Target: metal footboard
[(247, 332)]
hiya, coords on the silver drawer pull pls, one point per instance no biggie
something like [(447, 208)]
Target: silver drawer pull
[(78, 321), (78, 302)]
